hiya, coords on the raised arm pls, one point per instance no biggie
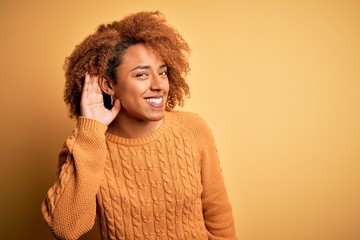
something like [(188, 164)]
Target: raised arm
[(70, 205)]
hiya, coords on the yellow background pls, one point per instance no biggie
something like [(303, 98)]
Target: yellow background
[(277, 81)]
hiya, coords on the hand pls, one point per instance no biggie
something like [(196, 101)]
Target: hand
[(92, 102)]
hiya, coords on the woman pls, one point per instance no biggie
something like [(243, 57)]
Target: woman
[(145, 171)]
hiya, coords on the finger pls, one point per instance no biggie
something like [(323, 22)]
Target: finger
[(91, 86), (86, 83), (116, 108), (87, 78), (94, 85)]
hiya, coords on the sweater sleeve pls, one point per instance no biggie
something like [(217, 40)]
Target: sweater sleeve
[(69, 208), (217, 210)]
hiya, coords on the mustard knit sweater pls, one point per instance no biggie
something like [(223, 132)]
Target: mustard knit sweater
[(167, 185)]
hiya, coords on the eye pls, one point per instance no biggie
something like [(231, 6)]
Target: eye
[(164, 73), (141, 75)]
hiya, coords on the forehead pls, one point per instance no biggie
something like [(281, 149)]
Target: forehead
[(140, 54)]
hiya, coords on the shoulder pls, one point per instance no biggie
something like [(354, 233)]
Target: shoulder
[(189, 122), (187, 119)]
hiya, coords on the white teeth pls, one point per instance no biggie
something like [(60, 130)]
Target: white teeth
[(154, 100)]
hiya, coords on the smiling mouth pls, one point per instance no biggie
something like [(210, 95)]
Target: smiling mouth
[(155, 100)]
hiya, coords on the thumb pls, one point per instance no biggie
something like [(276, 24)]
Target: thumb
[(116, 108)]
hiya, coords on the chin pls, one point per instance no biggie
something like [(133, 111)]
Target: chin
[(156, 117)]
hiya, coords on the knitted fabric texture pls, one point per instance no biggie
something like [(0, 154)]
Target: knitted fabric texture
[(167, 185)]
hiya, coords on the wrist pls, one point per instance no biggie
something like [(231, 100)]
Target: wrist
[(90, 124)]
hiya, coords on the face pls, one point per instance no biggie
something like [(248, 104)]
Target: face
[(142, 84)]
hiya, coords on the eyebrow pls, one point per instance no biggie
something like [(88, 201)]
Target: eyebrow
[(147, 67)]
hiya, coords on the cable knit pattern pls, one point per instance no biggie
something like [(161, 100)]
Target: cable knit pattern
[(167, 185)]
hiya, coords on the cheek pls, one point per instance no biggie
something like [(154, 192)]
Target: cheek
[(122, 92), (131, 91)]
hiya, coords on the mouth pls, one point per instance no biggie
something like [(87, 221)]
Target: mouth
[(155, 101)]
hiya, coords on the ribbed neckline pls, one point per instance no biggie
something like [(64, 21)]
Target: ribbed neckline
[(144, 140)]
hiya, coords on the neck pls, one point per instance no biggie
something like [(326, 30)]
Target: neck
[(132, 127)]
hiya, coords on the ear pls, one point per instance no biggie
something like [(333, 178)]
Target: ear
[(106, 85)]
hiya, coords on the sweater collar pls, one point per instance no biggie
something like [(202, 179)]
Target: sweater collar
[(144, 140)]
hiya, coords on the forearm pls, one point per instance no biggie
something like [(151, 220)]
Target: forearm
[(217, 210), (70, 206)]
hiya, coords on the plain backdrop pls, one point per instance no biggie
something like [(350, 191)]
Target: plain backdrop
[(278, 82)]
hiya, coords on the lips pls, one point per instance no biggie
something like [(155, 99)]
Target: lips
[(155, 101)]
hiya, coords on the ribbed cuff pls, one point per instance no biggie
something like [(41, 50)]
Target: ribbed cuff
[(90, 124)]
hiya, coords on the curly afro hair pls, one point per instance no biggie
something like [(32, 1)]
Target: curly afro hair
[(101, 53)]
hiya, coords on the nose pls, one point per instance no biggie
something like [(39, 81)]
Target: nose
[(158, 82)]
